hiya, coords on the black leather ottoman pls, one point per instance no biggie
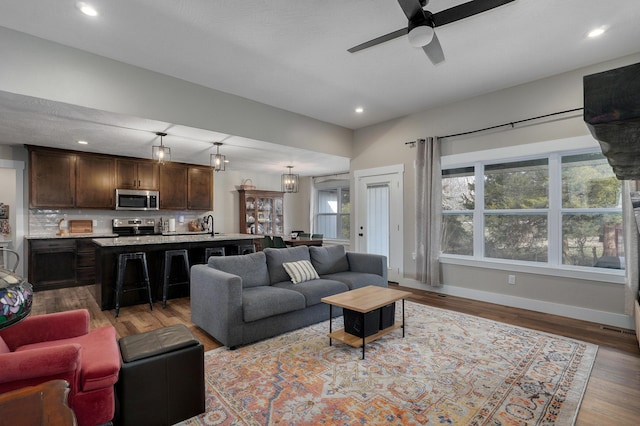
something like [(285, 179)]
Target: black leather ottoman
[(162, 377)]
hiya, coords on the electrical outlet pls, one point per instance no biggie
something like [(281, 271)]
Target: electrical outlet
[(511, 279)]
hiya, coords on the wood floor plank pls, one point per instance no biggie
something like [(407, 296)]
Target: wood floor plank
[(611, 397)]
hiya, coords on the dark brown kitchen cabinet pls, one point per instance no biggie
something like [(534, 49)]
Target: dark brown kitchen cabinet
[(173, 185), (52, 263), (136, 174), (200, 188), (61, 262), (95, 182), (52, 179), (85, 261)]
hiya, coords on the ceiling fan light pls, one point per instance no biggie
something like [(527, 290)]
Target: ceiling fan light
[(420, 36)]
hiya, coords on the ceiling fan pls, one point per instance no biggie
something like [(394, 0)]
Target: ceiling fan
[(422, 23)]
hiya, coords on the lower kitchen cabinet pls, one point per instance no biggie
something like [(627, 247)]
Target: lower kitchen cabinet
[(59, 263)]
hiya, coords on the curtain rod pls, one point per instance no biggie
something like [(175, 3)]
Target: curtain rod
[(512, 124)]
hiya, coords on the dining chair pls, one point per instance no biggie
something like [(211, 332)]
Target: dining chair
[(278, 242), (317, 236), (304, 235), (267, 242), (5, 259)]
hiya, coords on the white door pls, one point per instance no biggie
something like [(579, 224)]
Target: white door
[(379, 215)]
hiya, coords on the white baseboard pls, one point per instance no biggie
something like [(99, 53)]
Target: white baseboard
[(576, 312)]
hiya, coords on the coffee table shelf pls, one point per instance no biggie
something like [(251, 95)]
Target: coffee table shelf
[(355, 341)]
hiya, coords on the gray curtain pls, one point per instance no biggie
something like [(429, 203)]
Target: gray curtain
[(428, 211), (630, 229)]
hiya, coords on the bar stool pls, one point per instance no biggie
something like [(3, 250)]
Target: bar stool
[(168, 260), (123, 259), (213, 251), (246, 248)]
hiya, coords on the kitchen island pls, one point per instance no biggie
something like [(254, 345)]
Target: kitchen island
[(108, 249)]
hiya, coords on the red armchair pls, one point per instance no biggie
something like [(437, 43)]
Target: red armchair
[(60, 346)]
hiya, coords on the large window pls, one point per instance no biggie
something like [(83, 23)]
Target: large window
[(560, 209), (333, 208)]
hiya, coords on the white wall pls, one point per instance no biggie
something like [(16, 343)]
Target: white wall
[(384, 144)]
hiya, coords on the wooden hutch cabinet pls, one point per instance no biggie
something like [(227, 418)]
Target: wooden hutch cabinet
[(261, 212)]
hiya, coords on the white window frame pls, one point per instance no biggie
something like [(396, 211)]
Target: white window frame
[(553, 150), (339, 185)]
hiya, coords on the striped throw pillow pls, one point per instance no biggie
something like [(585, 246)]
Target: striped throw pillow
[(300, 271)]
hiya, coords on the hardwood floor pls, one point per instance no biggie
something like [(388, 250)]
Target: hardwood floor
[(613, 392)]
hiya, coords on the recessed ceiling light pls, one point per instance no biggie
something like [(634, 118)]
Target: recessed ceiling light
[(596, 32), (83, 142), (359, 110), (87, 9)]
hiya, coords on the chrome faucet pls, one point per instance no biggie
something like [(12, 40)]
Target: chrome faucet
[(206, 221)]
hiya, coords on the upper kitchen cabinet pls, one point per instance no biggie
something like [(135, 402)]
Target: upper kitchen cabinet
[(137, 174), (200, 188), (173, 182), (95, 182), (52, 179)]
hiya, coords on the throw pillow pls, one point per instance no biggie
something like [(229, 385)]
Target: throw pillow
[(300, 271)]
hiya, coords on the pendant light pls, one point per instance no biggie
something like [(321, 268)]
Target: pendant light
[(160, 152), (217, 160), (290, 181)]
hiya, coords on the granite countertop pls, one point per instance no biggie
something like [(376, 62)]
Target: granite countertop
[(167, 239)]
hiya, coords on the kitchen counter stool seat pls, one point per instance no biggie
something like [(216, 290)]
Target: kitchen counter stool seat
[(168, 263), (144, 283)]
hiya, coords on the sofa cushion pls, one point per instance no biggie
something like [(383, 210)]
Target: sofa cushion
[(277, 256), (357, 279), (252, 268), (314, 290), (329, 260), (300, 271), (266, 301)]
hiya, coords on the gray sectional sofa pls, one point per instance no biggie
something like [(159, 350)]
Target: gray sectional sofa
[(243, 299)]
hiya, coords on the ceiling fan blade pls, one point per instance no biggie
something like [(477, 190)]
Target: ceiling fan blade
[(410, 7), (434, 50), (379, 40), (465, 10)]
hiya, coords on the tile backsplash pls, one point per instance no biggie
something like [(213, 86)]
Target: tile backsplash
[(44, 222)]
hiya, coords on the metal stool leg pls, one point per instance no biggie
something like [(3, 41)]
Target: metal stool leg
[(145, 272), (168, 258)]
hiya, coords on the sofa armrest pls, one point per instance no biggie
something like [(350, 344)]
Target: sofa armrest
[(44, 328), (61, 362), (368, 263), (216, 303)]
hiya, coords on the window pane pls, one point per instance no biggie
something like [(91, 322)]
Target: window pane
[(593, 240), (516, 237), (346, 233), (326, 225), (517, 185), (458, 189), (589, 182), (345, 200), (328, 201), (457, 234)]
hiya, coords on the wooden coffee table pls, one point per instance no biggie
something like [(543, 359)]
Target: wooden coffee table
[(364, 300)]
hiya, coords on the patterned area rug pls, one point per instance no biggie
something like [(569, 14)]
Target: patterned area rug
[(451, 368)]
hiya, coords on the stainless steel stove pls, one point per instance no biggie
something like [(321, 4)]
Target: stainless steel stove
[(134, 226)]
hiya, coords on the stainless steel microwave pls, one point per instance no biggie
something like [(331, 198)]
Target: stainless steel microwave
[(135, 199)]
